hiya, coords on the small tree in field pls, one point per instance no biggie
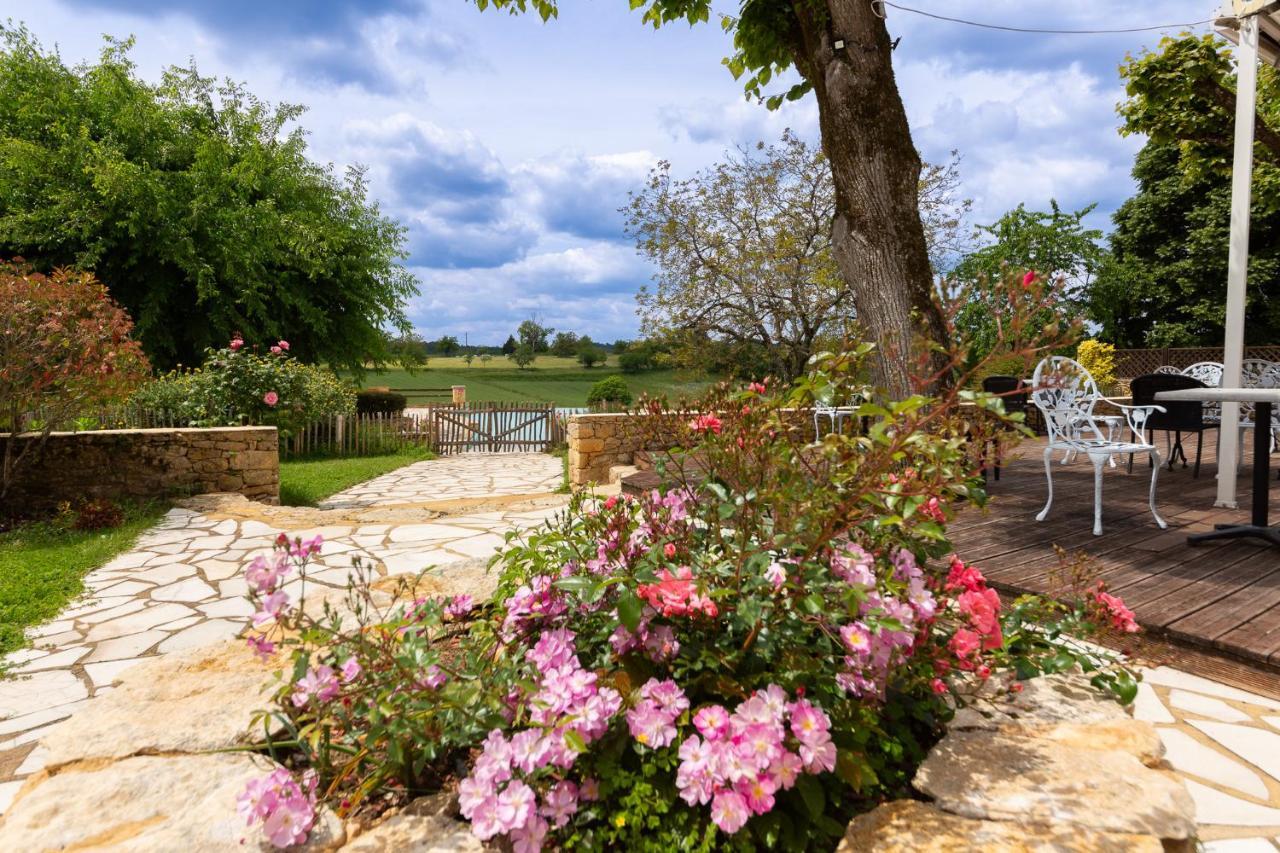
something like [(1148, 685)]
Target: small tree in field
[(589, 355), (523, 356), (64, 347)]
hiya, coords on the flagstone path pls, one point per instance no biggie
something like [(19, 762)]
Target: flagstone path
[(182, 586)]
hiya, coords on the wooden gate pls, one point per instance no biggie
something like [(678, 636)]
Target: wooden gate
[(493, 427)]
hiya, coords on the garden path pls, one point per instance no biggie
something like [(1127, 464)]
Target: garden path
[(182, 586)]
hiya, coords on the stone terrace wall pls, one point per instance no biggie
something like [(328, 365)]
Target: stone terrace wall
[(596, 443), (147, 463), (599, 441)]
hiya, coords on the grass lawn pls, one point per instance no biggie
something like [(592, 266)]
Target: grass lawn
[(306, 482), (550, 380), (42, 566)]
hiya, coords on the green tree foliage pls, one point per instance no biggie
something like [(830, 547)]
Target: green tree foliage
[(510, 345), (534, 335), (611, 389), (1054, 243), (1166, 285), (564, 345), (448, 345), (196, 204), (589, 354), (523, 355)]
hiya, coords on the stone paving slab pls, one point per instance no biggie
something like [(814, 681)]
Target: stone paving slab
[(462, 476)]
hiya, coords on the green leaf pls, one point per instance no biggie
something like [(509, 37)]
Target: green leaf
[(811, 792), (630, 610)]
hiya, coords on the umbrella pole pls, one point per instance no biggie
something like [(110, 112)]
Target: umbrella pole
[(1238, 254)]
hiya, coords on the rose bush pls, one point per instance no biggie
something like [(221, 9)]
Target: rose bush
[(742, 659), (238, 385)]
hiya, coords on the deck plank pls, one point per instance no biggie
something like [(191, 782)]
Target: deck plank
[(1219, 597)]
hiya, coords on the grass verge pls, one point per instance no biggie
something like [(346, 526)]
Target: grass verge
[(306, 482), (43, 564)]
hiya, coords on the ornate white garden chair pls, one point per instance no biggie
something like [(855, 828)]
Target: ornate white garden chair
[(1066, 395)]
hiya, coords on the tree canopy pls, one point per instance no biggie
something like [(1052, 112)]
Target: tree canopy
[(195, 203), (744, 254), (1054, 243), (1166, 285)]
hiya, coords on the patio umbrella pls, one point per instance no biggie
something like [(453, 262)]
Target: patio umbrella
[(1254, 26)]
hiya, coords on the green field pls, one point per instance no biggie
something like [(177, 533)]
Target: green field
[(550, 380)]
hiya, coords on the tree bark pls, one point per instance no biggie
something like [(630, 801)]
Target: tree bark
[(877, 236)]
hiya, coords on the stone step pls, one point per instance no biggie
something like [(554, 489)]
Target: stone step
[(617, 472)]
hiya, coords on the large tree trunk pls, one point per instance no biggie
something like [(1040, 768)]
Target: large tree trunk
[(877, 237)]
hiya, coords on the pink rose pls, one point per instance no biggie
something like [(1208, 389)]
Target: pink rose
[(284, 345), (271, 398), (276, 350), (235, 344)]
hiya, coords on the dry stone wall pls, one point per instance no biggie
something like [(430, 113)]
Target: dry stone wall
[(146, 463)]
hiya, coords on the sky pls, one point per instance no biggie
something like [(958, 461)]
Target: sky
[(506, 145)]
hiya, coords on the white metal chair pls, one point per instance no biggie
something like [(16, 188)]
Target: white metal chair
[(1166, 368), (1066, 394)]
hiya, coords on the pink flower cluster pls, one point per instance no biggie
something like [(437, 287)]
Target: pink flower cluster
[(458, 606), (497, 797), (652, 721), (658, 641), (872, 647), (285, 808), (280, 348), (532, 604), (1113, 609), (980, 605), (676, 594), (738, 762)]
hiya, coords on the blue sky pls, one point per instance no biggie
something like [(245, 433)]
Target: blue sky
[(507, 145)]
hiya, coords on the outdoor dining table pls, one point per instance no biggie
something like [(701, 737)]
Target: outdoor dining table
[(1262, 399)]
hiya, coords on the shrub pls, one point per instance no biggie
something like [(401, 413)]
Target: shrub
[(1099, 358), (635, 361), (742, 659), (65, 348), (523, 355), (589, 355), (611, 389), (380, 402), (98, 514), (239, 385)]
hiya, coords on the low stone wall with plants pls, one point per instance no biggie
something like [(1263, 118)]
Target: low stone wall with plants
[(149, 463)]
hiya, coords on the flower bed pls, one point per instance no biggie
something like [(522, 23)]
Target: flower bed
[(744, 661)]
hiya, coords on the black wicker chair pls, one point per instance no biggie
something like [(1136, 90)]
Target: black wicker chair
[(1016, 396), (1177, 418)]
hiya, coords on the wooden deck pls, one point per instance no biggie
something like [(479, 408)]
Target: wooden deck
[(1220, 597)]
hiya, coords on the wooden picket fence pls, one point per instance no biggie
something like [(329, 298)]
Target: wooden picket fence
[(445, 428)]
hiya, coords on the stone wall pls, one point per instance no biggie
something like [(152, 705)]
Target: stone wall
[(598, 442), (150, 463)]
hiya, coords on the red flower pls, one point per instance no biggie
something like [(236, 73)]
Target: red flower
[(1028, 279), (757, 388), (706, 423), (965, 577)]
